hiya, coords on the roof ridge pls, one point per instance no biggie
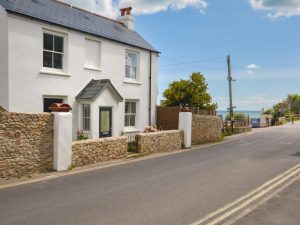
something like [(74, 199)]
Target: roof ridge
[(86, 11)]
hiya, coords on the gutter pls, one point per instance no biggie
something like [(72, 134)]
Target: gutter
[(150, 86)]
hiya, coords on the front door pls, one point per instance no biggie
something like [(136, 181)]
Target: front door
[(105, 120)]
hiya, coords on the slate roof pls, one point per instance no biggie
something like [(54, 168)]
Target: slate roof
[(95, 87), (61, 14)]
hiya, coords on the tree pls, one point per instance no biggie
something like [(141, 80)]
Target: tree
[(191, 92), (289, 106)]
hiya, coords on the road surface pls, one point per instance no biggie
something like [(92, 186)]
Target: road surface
[(175, 189)]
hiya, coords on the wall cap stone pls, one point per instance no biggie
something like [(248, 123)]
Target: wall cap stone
[(99, 140), (159, 132)]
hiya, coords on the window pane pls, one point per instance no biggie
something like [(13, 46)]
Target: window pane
[(132, 120), (127, 71), (58, 44), (86, 124), (127, 107), (86, 110), (132, 72), (58, 61), (133, 107), (47, 59), (127, 123), (131, 59), (48, 42)]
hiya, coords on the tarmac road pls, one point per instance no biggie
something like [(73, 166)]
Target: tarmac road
[(175, 189)]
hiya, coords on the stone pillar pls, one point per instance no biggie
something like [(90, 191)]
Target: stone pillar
[(62, 157), (185, 124)]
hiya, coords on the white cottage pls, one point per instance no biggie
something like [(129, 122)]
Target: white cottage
[(54, 52)]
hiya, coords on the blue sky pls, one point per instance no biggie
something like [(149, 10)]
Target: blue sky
[(262, 37)]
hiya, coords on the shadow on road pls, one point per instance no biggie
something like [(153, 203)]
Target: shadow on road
[(296, 154)]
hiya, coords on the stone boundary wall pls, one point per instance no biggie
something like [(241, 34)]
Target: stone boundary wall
[(238, 130), (206, 129), (162, 141), (26, 143), (98, 150)]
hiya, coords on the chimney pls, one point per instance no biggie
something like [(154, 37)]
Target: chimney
[(126, 18)]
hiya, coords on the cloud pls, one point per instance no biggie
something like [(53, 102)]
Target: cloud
[(277, 8), (110, 8), (154, 6), (252, 66)]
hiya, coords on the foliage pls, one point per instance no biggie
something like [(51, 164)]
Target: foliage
[(149, 129), (268, 111), (132, 146), (81, 135), (191, 92), (238, 116), (289, 106)]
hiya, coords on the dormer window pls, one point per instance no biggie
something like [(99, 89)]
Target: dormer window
[(131, 67), (53, 51)]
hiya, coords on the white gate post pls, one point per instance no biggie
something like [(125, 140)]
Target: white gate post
[(185, 124), (62, 155)]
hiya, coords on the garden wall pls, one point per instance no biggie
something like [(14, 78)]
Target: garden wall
[(168, 117), (26, 143), (98, 150), (162, 141), (206, 129)]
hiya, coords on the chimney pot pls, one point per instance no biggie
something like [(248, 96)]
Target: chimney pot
[(126, 18), (126, 11)]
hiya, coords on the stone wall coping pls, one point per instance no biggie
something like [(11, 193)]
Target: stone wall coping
[(99, 140), (160, 132), (24, 114)]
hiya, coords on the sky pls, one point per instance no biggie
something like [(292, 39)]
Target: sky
[(261, 36)]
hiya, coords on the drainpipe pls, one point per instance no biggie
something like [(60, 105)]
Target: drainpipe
[(150, 86)]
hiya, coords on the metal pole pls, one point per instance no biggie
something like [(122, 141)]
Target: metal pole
[(229, 78)]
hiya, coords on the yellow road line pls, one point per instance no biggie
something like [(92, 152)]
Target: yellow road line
[(257, 190)]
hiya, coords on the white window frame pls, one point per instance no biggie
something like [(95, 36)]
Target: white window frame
[(83, 117), (130, 113), (135, 66), (64, 53)]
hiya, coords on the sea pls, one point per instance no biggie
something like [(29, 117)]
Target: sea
[(252, 113)]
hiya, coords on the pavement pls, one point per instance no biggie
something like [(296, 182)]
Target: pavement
[(174, 189)]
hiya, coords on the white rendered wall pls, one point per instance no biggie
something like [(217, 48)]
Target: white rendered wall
[(185, 124), (29, 85), (62, 146), (3, 59)]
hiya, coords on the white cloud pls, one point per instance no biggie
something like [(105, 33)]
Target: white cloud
[(154, 6), (110, 8), (277, 8), (252, 66), (250, 71)]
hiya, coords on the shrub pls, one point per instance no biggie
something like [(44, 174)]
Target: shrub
[(81, 135)]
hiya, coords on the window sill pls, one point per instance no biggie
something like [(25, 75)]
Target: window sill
[(131, 81), (55, 73), (131, 130), (92, 68)]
